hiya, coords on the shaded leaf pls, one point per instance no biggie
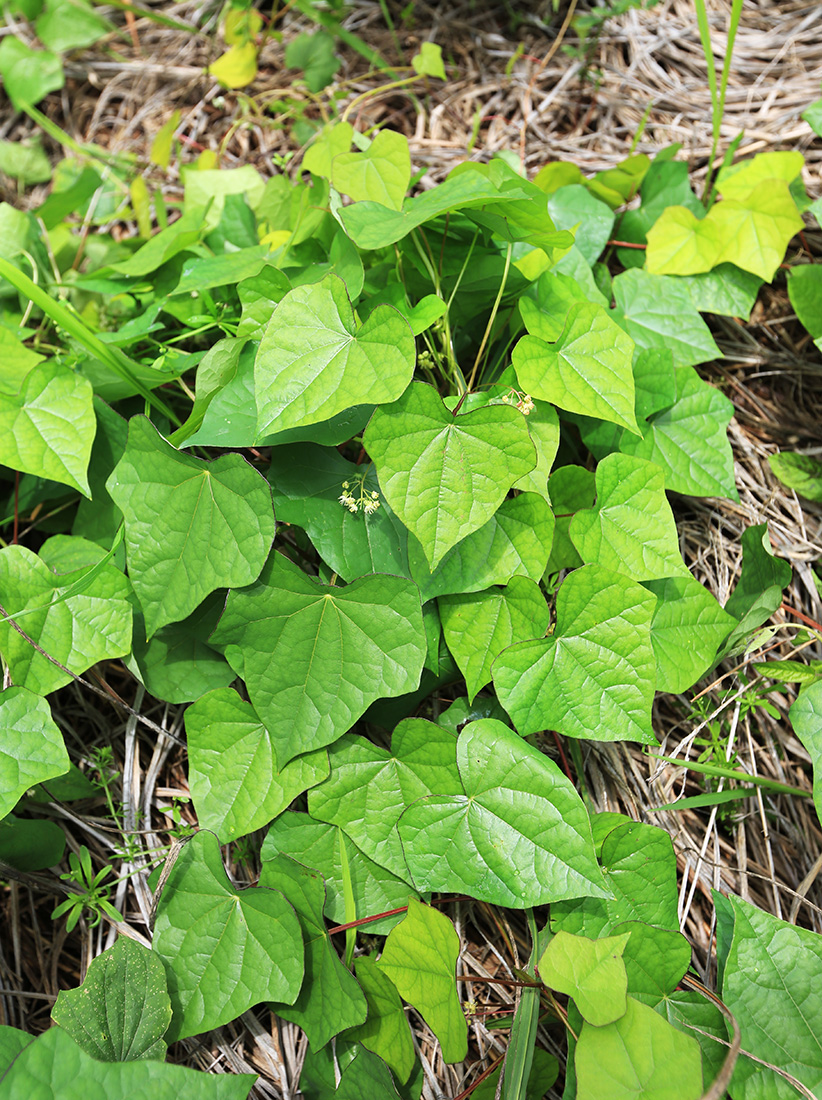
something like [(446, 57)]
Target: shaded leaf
[(330, 999), (32, 746)]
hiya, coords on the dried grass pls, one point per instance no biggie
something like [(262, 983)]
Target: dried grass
[(547, 105)]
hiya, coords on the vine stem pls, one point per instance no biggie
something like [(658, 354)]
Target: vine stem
[(492, 318)]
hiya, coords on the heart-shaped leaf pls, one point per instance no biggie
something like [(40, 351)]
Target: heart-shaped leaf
[(47, 426), (687, 629), (191, 526), (381, 173), (632, 528), (590, 971), (314, 362), (478, 626), (330, 999), (594, 677), (680, 244), (224, 950), (122, 1010), (588, 369), (235, 784), (518, 834), (314, 657), (32, 746), (446, 475), (71, 602), (369, 788), (420, 958), (756, 226)]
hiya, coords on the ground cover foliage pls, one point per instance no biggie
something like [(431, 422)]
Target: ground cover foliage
[(416, 443)]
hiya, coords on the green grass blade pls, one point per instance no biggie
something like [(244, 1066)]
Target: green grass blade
[(520, 1053), (117, 360), (717, 771)]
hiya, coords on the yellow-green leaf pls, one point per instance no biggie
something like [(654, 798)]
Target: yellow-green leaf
[(237, 66)]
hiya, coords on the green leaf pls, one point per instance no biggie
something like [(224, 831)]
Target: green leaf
[(735, 181), (688, 1011), (687, 629), (638, 1055), (334, 138), (330, 999), (208, 190), (632, 528), (571, 488), (369, 788), (588, 370), (790, 672), (802, 473), (17, 362), (756, 227), (317, 845), (314, 361), (122, 1010), (69, 25), (315, 657), (381, 173), (191, 526), (93, 624), (680, 244), (428, 62), (543, 1074), (235, 784), (30, 845), (806, 719), (99, 518), (594, 678), (224, 950), (813, 116), (655, 960), (25, 162), (386, 1031), (47, 426), (347, 1072), (514, 541), (201, 273), (28, 75), (689, 440), (177, 665), (444, 475), (53, 1067), (805, 293), (518, 836), (371, 225), (237, 67), (32, 745), (639, 866), (307, 482), (574, 207), (420, 958), (758, 591), (478, 626), (314, 54), (773, 986), (163, 246), (590, 971), (727, 290), (657, 312)]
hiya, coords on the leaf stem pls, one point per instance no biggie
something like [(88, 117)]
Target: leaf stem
[(508, 252)]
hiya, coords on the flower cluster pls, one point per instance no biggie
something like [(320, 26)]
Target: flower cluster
[(523, 401), (367, 502)]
